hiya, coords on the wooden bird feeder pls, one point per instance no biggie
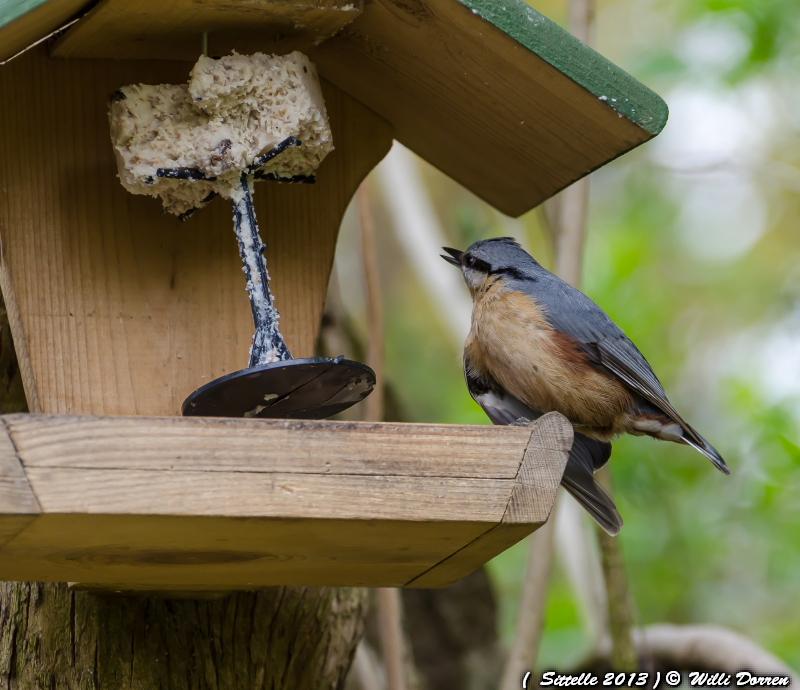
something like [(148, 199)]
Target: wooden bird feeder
[(118, 312)]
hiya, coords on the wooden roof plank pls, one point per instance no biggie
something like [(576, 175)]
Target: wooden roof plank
[(610, 84), (172, 31), (494, 94), (25, 22)]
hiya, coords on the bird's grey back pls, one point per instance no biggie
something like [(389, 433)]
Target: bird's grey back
[(566, 308), (564, 304)]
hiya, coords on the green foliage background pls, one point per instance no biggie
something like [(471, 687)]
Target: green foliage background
[(713, 300)]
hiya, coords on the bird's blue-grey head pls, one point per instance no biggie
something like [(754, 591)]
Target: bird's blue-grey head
[(501, 256)]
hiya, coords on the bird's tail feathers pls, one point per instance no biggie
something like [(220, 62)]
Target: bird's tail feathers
[(586, 455), (597, 503), (668, 425), (700, 444)]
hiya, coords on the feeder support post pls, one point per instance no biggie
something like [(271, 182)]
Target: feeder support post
[(268, 343)]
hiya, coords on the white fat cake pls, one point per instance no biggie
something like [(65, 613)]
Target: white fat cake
[(233, 110)]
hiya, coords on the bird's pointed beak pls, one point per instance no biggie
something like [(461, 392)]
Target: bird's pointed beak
[(455, 256)]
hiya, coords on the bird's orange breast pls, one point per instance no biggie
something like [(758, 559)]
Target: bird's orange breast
[(512, 341)]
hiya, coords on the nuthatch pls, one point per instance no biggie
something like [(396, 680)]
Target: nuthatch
[(538, 345)]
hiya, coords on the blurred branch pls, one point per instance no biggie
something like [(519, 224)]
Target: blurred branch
[(338, 334), (454, 630), (696, 648), (567, 213), (530, 623), (390, 631), (419, 233), (573, 204), (512, 227), (390, 627), (565, 219), (375, 339), (714, 647), (578, 553), (571, 239), (581, 19), (366, 672), (621, 612), (567, 216), (549, 218)]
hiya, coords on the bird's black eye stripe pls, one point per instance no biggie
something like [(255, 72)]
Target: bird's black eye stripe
[(509, 271), (471, 261)]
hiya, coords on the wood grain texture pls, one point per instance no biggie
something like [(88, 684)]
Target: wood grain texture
[(116, 308), (19, 505), (540, 471), (277, 638), (23, 22), (533, 493), (495, 94), (226, 553), (269, 445), (209, 503), (493, 111), (272, 494), (15, 492), (135, 28)]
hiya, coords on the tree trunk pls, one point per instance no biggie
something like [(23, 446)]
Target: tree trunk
[(54, 638)]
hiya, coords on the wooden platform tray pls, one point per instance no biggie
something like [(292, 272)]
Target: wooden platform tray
[(194, 504)]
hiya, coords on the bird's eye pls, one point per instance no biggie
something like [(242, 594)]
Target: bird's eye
[(470, 261)]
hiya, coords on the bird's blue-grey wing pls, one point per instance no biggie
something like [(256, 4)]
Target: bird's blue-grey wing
[(586, 456), (571, 312)]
